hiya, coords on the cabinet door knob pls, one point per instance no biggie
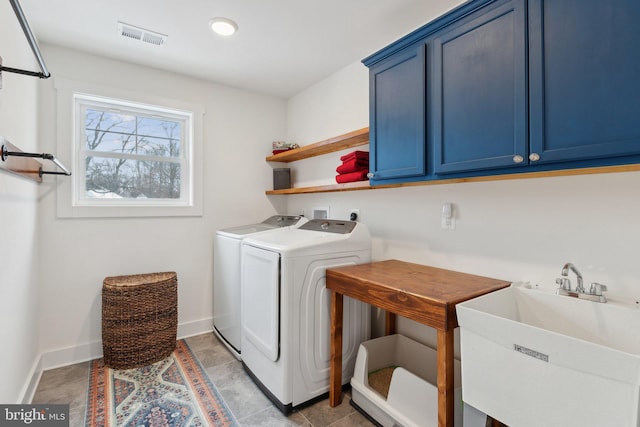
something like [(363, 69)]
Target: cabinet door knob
[(370, 175), (518, 158), (534, 157)]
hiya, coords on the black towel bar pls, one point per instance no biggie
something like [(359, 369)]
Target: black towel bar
[(29, 169)]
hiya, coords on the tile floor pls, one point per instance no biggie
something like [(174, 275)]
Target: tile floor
[(251, 408)]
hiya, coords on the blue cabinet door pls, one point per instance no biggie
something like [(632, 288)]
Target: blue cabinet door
[(584, 78), (397, 116), (479, 105)]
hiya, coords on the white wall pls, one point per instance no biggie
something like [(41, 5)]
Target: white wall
[(18, 202), (78, 253), (514, 230), (522, 229)]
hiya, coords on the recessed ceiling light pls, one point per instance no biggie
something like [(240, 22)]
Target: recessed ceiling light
[(223, 26)]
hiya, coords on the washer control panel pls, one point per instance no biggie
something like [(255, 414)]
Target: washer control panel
[(330, 226), (282, 220)]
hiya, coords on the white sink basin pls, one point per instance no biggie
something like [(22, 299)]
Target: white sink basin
[(532, 358)]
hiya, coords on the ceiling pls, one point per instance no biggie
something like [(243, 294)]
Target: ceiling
[(281, 47)]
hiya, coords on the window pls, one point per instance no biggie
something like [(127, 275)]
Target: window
[(131, 154)]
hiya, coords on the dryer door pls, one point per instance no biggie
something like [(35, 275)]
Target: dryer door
[(261, 299)]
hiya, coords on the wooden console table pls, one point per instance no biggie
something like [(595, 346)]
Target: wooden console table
[(425, 294)]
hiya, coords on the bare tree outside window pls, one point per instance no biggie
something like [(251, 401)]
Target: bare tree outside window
[(132, 156)]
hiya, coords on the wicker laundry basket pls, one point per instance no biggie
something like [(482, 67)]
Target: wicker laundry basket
[(139, 319)]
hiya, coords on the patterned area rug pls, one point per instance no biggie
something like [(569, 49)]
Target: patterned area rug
[(175, 392)]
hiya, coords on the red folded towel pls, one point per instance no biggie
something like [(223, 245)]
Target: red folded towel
[(352, 177), (353, 165), (356, 155), (278, 151)]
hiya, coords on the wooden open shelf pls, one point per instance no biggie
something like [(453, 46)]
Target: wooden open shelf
[(342, 142), (350, 186), (361, 137), (364, 185)]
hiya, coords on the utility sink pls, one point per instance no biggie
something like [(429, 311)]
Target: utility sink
[(532, 358)]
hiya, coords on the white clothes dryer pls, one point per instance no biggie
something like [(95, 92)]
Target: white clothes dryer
[(226, 275), (286, 308)]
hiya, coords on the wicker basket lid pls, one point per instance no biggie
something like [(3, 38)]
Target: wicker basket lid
[(140, 279)]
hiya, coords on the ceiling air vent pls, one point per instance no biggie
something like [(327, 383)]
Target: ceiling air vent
[(137, 33)]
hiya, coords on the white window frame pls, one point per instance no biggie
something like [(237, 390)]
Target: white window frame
[(72, 200)]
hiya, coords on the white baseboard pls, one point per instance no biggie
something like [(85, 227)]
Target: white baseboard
[(93, 350), (196, 327), (71, 355), (29, 389)]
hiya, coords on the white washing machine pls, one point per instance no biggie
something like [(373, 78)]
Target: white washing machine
[(286, 308), (226, 275)]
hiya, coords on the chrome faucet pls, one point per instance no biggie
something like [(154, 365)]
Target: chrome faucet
[(594, 294), (565, 272)]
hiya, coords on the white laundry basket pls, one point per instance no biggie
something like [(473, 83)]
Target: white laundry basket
[(413, 393)]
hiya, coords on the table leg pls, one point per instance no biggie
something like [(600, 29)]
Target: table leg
[(493, 423), (390, 323), (445, 378), (335, 367)]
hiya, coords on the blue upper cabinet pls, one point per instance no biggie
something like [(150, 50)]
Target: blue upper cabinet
[(479, 102), (397, 116), (584, 79), (508, 86)]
